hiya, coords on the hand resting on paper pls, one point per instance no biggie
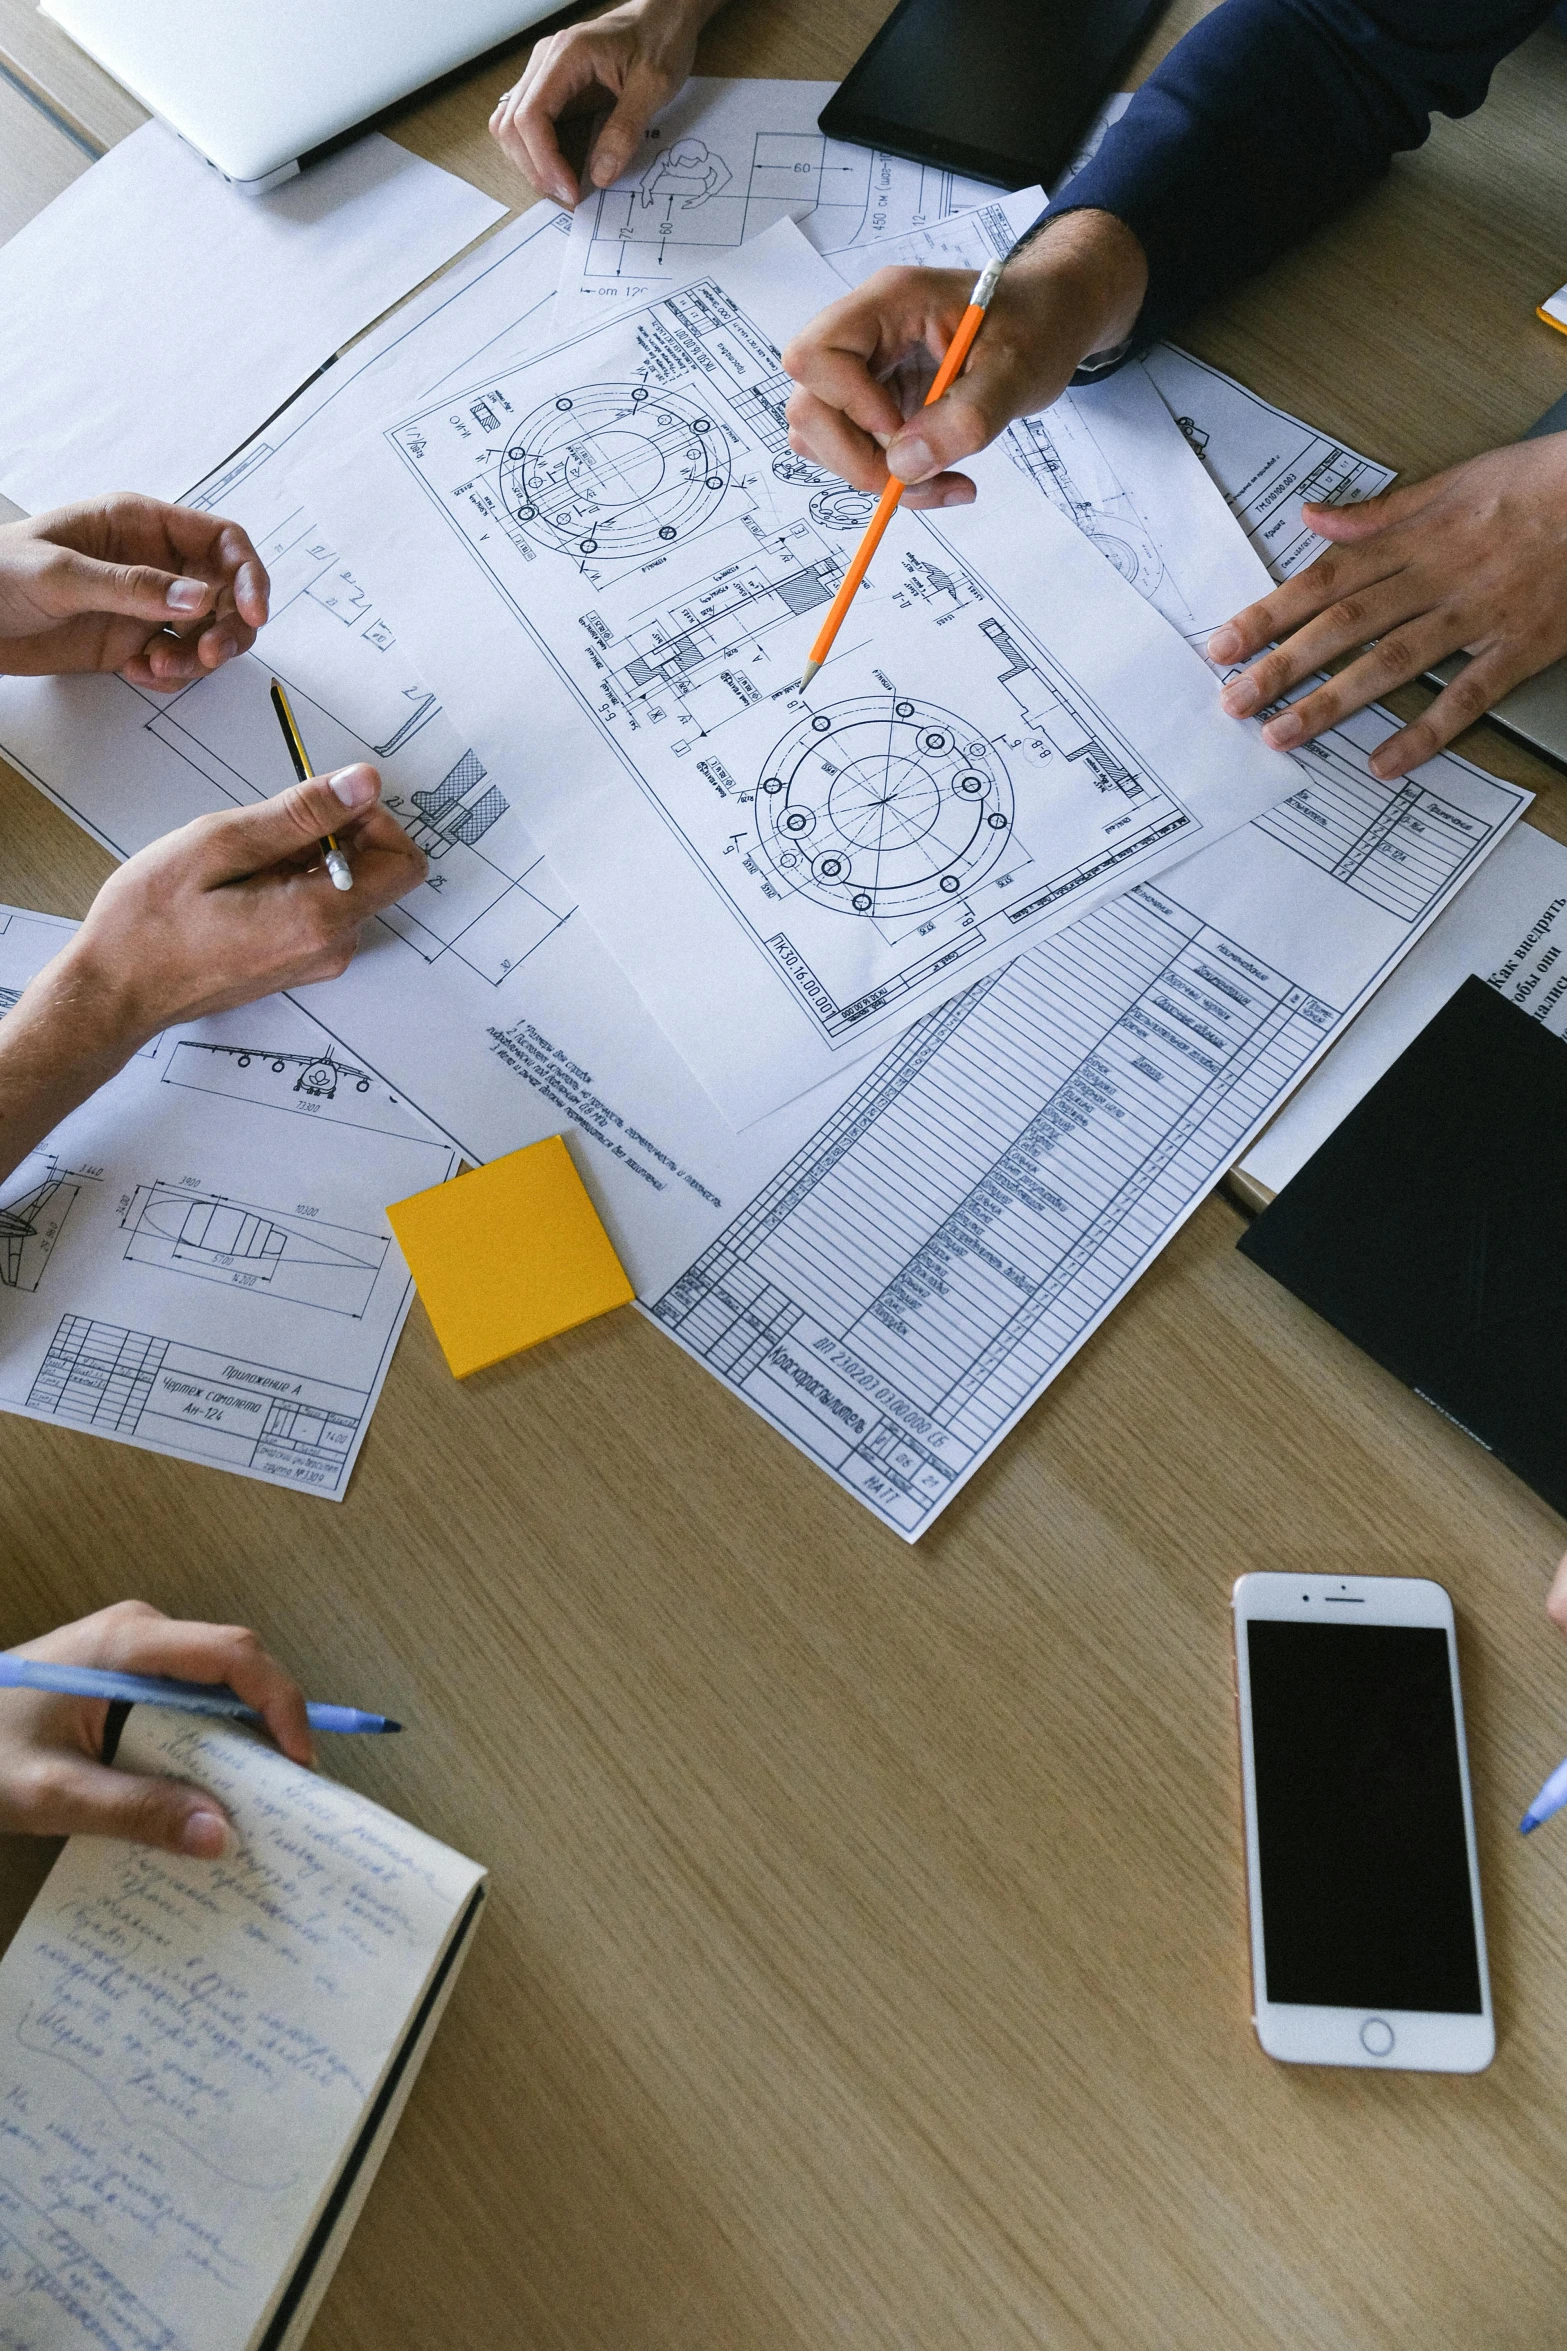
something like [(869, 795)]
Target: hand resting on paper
[(51, 1781), (159, 593), (632, 59), (224, 910), (1473, 560), (1076, 289)]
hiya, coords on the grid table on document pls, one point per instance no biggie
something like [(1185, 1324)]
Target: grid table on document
[(934, 1254)]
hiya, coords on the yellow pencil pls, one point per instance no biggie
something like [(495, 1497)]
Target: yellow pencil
[(337, 864), (957, 351)]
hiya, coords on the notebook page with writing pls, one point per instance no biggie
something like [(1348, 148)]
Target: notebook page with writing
[(201, 2062)]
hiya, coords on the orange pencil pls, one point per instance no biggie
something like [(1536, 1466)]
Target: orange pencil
[(957, 351)]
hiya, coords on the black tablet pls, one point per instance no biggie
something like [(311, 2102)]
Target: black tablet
[(1000, 89)]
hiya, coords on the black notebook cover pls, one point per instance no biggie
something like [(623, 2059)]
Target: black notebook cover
[(1431, 1228)]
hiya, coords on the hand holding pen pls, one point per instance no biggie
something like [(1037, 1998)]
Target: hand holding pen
[(51, 1779)]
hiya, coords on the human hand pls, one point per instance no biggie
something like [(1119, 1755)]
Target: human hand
[(1474, 559), (1077, 288), (635, 57), (51, 1781), (99, 586), (235, 906)]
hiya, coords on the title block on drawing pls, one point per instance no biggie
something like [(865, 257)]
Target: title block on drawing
[(506, 1256)]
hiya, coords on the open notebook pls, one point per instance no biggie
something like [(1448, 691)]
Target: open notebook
[(202, 2063)]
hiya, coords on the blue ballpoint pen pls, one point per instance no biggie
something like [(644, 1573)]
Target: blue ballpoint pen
[(1550, 1799), (138, 1689)]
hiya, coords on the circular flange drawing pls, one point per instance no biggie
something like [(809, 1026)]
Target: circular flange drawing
[(883, 806), (838, 508), (614, 469)]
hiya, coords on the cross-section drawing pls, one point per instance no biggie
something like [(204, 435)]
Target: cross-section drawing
[(614, 469), (462, 807), (251, 1248), (884, 807), (31, 1222)]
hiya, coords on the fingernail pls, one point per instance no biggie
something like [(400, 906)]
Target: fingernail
[(1224, 644), (958, 495), (186, 595), (1287, 728), (356, 787), (605, 169), (1241, 695), (910, 459), (206, 1835)]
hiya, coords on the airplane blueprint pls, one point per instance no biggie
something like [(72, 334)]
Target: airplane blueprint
[(196, 1261), (614, 539), (724, 161), (1110, 458), (1266, 462)]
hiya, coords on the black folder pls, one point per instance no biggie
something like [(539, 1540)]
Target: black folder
[(1431, 1228)]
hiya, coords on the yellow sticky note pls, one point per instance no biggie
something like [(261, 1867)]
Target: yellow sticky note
[(508, 1255)]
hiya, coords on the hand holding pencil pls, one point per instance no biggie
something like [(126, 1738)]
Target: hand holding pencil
[(887, 505)]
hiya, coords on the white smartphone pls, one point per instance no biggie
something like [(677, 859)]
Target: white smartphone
[(1367, 1939)]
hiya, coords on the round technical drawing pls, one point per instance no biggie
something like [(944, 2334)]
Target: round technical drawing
[(842, 509), (884, 806), (803, 474), (616, 470)]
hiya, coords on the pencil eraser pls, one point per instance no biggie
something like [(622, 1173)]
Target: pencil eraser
[(509, 1254)]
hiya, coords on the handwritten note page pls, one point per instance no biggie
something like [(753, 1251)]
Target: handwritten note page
[(188, 2049)]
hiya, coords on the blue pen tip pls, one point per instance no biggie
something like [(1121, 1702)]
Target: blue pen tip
[(387, 1724), (1527, 1823)]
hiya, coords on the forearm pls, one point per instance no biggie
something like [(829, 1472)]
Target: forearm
[(64, 1039), (1270, 116)]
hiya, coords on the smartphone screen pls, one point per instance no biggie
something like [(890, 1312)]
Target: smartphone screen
[(1364, 1862)]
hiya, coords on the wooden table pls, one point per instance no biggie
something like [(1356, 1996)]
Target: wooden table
[(867, 1959)]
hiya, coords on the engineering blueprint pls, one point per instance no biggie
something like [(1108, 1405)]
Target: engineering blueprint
[(1266, 462), (722, 163), (615, 537), (196, 1261), (1328, 893), (928, 1260)]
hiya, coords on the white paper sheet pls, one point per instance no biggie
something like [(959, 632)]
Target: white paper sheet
[(1509, 927), (907, 1284), (154, 317), (1110, 458), (187, 2047), (619, 566), (1266, 462), (558, 1041), (722, 163), (196, 1260)]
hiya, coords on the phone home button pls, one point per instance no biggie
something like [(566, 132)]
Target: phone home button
[(1376, 2037)]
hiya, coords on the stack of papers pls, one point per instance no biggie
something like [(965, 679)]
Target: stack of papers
[(894, 1029)]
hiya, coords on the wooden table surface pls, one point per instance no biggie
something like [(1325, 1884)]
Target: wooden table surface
[(867, 1960)]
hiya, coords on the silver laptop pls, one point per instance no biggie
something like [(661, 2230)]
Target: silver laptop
[(1534, 713), (257, 86)]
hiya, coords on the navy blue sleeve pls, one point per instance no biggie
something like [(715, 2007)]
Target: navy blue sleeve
[(1272, 114)]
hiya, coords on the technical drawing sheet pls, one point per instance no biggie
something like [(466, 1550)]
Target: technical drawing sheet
[(723, 162), (1266, 462), (614, 540), (919, 1270), (1110, 458), (196, 1261), (559, 1042)]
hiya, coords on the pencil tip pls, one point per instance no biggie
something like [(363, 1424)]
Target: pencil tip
[(806, 675)]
